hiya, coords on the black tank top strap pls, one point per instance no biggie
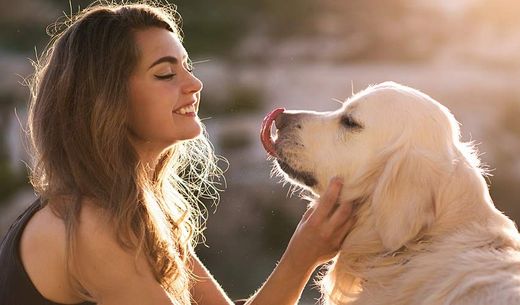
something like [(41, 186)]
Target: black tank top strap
[(16, 287)]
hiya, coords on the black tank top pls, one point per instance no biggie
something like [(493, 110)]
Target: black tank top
[(16, 287)]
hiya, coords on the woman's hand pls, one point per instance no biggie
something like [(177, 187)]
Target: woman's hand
[(317, 239), (321, 231)]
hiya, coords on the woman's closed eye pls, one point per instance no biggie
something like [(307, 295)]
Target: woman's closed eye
[(165, 76)]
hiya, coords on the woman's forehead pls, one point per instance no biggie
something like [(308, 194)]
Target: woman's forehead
[(157, 43)]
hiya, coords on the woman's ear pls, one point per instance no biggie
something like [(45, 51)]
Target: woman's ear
[(403, 202)]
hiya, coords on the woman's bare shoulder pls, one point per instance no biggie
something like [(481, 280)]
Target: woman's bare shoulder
[(108, 271), (42, 253)]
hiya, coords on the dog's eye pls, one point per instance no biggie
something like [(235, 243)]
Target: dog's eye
[(349, 122)]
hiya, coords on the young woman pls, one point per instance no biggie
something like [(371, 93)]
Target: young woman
[(120, 160)]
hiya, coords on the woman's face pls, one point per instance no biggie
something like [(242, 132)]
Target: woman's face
[(164, 94)]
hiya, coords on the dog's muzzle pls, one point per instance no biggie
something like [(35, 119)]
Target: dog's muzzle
[(283, 121)]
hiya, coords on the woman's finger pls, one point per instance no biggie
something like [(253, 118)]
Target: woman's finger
[(344, 230), (327, 200), (341, 214)]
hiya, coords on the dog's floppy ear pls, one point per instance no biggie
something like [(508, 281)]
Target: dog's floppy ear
[(403, 202)]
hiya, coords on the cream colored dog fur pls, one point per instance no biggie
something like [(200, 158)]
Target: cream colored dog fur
[(426, 229)]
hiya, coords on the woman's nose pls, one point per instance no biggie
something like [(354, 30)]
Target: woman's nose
[(193, 84)]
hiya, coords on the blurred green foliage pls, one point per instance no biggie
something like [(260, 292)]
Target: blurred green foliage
[(234, 141), (215, 27), (16, 37), (211, 27), (239, 100), (11, 180)]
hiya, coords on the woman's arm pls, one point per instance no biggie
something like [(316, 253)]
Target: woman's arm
[(206, 290), (316, 240)]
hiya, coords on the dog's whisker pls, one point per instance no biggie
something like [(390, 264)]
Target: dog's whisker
[(288, 194), (201, 61), (338, 100)]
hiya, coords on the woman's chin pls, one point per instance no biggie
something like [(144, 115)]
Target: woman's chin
[(190, 134)]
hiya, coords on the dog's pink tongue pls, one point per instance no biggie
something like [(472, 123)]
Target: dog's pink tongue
[(265, 131)]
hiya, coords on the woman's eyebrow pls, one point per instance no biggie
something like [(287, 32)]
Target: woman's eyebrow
[(170, 59)]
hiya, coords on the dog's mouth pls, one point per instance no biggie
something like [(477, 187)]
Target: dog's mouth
[(305, 177), (269, 145)]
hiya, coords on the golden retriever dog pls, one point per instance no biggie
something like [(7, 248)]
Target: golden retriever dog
[(426, 230)]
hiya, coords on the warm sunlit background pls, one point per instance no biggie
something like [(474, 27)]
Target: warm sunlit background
[(299, 54)]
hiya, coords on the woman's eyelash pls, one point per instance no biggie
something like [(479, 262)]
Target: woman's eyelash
[(188, 68), (164, 77)]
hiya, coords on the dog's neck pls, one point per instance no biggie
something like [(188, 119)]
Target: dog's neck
[(461, 212), (464, 200)]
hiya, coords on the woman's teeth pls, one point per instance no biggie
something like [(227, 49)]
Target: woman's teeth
[(186, 109)]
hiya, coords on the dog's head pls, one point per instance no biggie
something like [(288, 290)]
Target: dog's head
[(390, 143)]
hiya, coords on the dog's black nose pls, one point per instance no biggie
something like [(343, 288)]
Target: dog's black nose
[(284, 119)]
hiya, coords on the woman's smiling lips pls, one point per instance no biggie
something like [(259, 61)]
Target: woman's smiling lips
[(187, 110)]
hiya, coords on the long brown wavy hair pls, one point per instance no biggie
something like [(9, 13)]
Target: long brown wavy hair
[(81, 149)]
